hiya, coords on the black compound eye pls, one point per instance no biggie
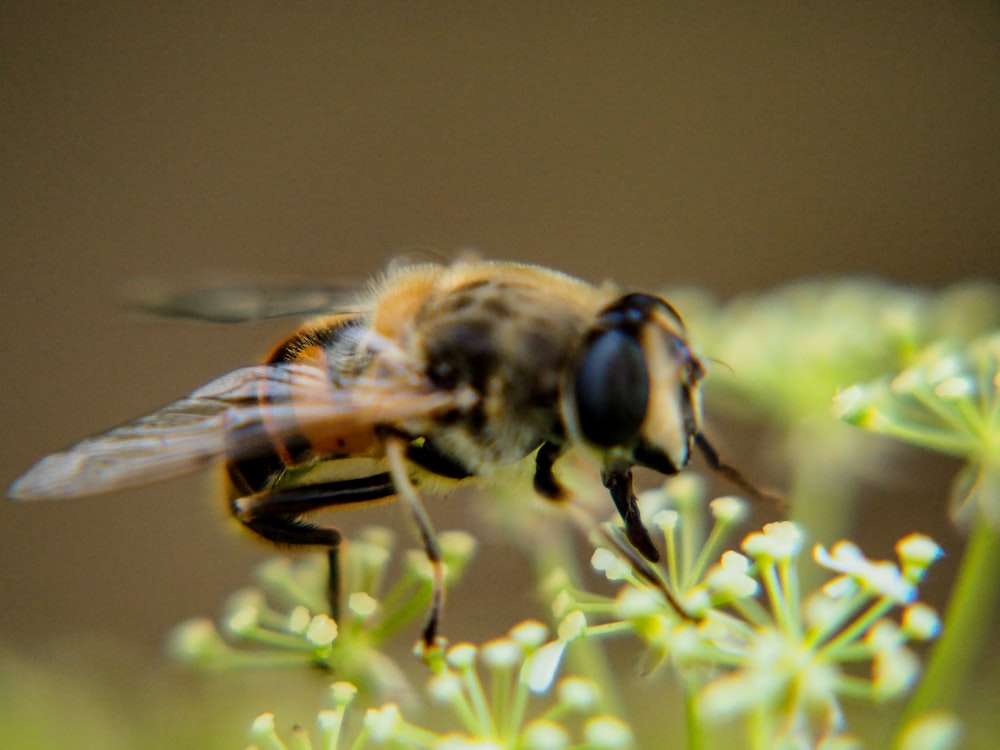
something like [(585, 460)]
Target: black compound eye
[(612, 389)]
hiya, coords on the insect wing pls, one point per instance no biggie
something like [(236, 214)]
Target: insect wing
[(244, 303), (227, 418)]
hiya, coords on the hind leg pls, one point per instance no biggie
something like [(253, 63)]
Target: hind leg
[(275, 516)]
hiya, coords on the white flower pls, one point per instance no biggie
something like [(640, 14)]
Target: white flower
[(322, 631), (383, 722), (920, 622), (730, 576), (781, 540), (916, 552), (883, 578), (729, 509), (607, 733)]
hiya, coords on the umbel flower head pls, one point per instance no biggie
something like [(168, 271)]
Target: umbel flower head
[(948, 402), (744, 639), (792, 348), (286, 620), (500, 713), (787, 352)]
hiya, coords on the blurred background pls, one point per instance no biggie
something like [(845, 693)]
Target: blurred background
[(730, 147)]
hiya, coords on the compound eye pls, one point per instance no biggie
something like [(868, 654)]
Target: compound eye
[(612, 389)]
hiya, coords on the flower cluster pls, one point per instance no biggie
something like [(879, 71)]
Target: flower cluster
[(286, 620), (493, 714), (746, 641), (948, 402), (793, 347)]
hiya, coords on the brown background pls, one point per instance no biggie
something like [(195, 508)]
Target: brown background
[(732, 146)]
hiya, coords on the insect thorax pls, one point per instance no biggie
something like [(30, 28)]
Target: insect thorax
[(510, 343)]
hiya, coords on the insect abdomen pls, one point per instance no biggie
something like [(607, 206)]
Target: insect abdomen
[(292, 448)]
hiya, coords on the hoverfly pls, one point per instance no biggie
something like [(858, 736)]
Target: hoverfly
[(439, 370)]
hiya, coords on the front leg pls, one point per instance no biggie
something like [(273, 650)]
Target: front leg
[(618, 480)]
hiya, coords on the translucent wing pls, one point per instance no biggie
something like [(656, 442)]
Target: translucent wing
[(227, 418), (242, 303)]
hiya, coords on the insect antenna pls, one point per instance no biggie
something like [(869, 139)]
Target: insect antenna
[(733, 475)]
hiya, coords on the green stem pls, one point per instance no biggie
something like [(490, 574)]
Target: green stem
[(823, 493), (966, 626), (586, 655), (761, 727), (693, 726)]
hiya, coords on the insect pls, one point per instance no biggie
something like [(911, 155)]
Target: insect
[(438, 371)]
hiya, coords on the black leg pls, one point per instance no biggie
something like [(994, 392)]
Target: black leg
[(643, 569), (275, 517), (545, 481), (619, 483), (429, 458)]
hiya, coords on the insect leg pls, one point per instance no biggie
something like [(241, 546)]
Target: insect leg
[(396, 449), (619, 483), (545, 480), (429, 458), (274, 515)]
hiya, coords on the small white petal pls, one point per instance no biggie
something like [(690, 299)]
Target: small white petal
[(840, 587), (666, 519), (886, 580), (820, 608), (921, 622), (780, 540), (578, 693), (540, 669), (263, 724), (299, 619), (918, 550), (242, 621), (955, 388), (696, 602), (382, 723), (561, 604), (444, 687), (530, 634), (362, 604), (461, 656), (894, 672), (322, 631), (607, 733), (632, 603), (329, 720), (885, 635), (850, 402), (882, 578), (342, 693), (572, 626), (938, 730), (457, 545), (943, 369), (729, 509), (730, 577), (909, 381), (502, 653), (613, 567), (545, 735)]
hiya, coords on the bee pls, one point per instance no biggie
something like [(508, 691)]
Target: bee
[(439, 371)]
